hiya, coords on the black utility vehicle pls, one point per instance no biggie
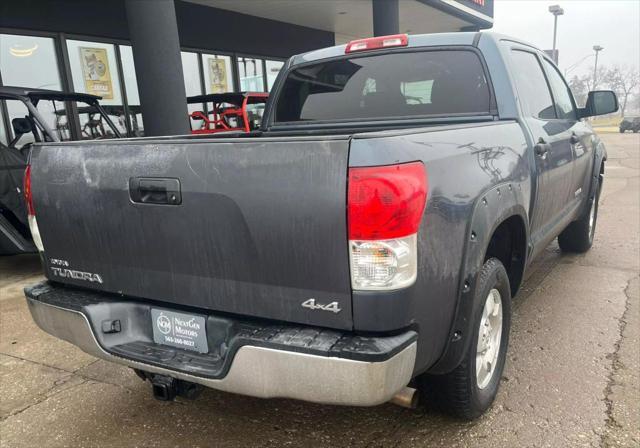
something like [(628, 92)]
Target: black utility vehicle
[(365, 243), (630, 124), (36, 105)]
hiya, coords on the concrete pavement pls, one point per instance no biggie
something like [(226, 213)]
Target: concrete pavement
[(572, 374)]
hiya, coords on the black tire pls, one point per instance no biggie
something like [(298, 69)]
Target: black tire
[(578, 236), (457, 393)]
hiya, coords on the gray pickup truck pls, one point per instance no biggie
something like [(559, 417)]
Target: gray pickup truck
[(365, 244)]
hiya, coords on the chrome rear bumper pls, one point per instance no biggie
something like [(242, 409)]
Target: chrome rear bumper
[(257, 371)]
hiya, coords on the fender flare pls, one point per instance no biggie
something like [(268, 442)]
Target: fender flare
[(600, 156), (491, 209)]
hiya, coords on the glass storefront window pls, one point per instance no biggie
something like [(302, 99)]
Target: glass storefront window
[(129, 72), (131, 87), (192, 86), (29, 61), (250, 73), (3, 135), (94, 70), (218, 77), (273, 68), (191, 72)]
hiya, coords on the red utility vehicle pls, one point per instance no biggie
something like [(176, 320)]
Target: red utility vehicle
[(233, 111)]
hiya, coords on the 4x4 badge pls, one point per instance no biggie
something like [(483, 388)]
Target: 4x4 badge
[(312, 305)]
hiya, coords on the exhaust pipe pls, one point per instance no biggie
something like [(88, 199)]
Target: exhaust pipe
[(407, 398)]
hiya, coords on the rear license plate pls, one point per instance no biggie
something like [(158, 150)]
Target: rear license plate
[(186, 331)]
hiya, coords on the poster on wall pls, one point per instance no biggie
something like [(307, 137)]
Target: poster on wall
[(95, 70), (218, 75)]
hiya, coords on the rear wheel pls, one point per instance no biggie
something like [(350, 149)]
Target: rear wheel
[(578, 236), (470, 388)]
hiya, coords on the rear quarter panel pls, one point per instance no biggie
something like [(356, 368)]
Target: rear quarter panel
[(464, 165)]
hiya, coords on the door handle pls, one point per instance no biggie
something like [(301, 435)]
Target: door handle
[(574, 139), (542, 148), (155, 190)]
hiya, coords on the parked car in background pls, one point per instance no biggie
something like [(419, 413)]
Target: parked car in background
[(34, 127), (224, 112), (365, 242), (630, 124)]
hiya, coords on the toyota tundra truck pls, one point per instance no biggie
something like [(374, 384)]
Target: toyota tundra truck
[(362, 246)]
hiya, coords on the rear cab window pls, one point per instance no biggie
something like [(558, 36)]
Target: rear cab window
[(423, 83)]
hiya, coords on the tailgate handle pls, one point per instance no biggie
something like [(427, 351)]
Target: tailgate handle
[(155, 190)]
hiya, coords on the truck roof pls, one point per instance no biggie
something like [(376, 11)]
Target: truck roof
[(415, 40)]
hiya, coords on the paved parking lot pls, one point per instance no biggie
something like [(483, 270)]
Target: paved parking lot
[(571, 377)]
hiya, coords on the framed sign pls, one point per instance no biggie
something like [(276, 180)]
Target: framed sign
[(95, 71), (218, 81)]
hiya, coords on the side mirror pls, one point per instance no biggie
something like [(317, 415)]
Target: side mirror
[(600, 102)]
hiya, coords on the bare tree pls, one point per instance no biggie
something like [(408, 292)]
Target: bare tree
[(601, 81), (579, 85), (582, 85), (624, 81)]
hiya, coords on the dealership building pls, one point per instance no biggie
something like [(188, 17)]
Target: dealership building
[(144, 57)]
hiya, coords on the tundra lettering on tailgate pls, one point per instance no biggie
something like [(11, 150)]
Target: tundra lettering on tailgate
[(76, 275)]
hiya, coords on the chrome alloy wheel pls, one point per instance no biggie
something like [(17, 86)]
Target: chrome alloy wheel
[(489, 338)]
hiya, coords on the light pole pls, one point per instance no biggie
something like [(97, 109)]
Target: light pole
[(556, 10), (596, 48)]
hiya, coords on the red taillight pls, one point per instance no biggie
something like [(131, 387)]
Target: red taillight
[(28, 198), (374, 43), (27, 191), (386, 202)]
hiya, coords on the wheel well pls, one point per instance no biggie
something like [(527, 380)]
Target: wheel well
[(509, 245)]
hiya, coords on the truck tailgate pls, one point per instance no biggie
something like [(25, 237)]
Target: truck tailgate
[(258, 226)]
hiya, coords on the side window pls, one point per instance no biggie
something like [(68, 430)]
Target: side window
[(561, 93), (532, 85)]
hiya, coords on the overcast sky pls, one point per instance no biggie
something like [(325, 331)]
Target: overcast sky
[(612, 24)]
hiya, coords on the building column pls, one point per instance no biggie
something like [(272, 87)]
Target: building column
[(386, 17), (153, 30)]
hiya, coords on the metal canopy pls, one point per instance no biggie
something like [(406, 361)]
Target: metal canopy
[(352, 19)]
